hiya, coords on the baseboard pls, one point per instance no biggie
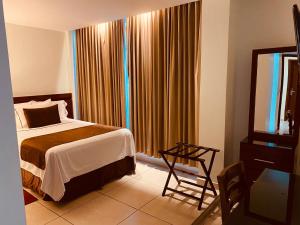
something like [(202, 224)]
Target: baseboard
[(178, 166), (161, 163)]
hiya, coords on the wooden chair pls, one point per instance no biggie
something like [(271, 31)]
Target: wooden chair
[(233, 187)]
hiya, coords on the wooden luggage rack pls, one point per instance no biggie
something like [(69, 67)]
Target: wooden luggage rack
[(195, 153)]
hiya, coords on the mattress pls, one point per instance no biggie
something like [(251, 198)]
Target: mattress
[(70, 160)]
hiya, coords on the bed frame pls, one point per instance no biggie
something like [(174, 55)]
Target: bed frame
[(85, 183), (67, 97)]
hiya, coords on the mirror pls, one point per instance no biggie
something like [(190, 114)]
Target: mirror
[(274, 112), (276, 92)]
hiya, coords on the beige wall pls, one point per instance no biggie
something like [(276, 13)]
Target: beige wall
[(253, 24), (11, 198), (39, 60), (214, 55), (71, 80)]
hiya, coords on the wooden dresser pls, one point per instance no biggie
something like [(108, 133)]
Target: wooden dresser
[(274, 112), (258, 155)]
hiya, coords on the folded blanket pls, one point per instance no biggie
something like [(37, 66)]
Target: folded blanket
[(33, 150)]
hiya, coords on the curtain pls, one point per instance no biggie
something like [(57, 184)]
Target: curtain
[(164, 72), (100, 73)]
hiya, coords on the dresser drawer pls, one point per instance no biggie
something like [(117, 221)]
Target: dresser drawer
[(256, 156)]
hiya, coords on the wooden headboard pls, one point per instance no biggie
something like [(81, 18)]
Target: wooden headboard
[(55, 97)]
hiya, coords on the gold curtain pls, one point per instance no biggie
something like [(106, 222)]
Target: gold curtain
[(100, 73), (164, 72)]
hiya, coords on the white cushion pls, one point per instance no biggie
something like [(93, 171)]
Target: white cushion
[(62, 109), (18, 121), (20, 114)]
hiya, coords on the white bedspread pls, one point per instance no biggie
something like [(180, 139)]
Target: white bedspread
[(73, 159)]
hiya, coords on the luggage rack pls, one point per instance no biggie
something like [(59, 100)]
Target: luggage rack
[(194, 153)]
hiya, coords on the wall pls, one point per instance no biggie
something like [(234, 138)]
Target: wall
[(214, 55), (39, 60), (11, 198), (253, 24), (72, 74)]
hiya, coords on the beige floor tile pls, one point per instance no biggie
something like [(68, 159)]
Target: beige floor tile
[(36, 214), (158, 177), (142, 167), (101, 211), (215, 218), (61, 209), (155, 177), (59, 221), (177, 210), (140, 218), (213, 221), (114, 184), (195, 191), (135, 193), (142, 190)]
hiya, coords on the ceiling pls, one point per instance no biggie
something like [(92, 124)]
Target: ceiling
[(66, 15)]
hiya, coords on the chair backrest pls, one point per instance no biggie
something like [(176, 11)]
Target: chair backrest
[(232, 186)]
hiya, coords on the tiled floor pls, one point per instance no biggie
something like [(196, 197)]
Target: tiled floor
[(132, 200)]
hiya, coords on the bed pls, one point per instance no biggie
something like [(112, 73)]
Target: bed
[(80, 156)]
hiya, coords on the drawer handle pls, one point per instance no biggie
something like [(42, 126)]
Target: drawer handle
[(265, 161)]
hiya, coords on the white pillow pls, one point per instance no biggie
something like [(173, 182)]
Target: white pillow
[(18, 120), (20, 114), (62, 109)]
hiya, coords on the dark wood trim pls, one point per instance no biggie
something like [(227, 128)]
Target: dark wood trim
[(277, 49), (263, 136), (297, 111), (290, 55), (287, 140), (252, 94), (55, 97)]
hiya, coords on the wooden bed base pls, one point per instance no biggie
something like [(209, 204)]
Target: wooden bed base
[(85, 183)]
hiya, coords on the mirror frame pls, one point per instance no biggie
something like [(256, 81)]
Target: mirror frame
[(289, 140)]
